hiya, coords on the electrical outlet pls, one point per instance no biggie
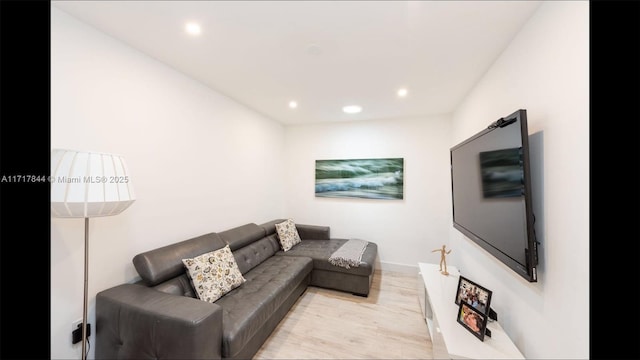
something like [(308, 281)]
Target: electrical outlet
[(75, 324), (76, 333)]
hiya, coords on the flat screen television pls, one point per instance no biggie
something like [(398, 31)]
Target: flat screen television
[(491, 191)]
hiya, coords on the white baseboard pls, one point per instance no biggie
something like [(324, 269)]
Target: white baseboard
[(403, 268)]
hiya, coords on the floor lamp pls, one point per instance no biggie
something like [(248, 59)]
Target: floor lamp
[(85, 185)]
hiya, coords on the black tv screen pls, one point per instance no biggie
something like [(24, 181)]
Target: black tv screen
[(491, 192)]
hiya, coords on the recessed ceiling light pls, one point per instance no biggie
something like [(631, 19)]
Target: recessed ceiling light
[(402, 92), (193, 28), (293, 104), (352, 109)]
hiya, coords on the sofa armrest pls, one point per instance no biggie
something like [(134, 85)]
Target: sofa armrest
[(313, 232), (137, 322)]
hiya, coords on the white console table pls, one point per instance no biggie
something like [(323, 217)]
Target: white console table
[(450, 340)]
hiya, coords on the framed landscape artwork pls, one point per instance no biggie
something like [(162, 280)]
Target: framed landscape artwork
[(360, 178)]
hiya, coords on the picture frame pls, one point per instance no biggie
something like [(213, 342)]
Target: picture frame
[(477, 296), (472, 320), (377, 178)]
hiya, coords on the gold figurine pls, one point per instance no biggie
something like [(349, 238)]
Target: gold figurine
[(443, 260)]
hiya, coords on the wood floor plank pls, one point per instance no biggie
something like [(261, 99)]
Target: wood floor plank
[(328, 324)]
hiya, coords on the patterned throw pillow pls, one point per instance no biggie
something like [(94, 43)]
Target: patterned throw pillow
[(288, 234), (214, 274)]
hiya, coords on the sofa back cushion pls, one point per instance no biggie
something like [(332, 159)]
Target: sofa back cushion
[(242, 235), (250, 245), (165, 263), (270, 227), (255, 253)]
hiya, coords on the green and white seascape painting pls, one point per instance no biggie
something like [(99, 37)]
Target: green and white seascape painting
[(360, 178)]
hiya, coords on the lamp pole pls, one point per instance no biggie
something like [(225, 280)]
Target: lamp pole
[(86, 288)]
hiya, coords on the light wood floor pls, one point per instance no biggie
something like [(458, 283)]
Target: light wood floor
[(327, 324)]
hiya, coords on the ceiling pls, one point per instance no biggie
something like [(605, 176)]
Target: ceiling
[(322, 54)]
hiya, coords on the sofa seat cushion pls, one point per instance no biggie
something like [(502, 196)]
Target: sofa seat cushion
[(320, 251), (248, 307)]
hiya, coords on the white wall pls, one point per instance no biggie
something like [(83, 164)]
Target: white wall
[(199, 162), (545, 70), (406, 231)]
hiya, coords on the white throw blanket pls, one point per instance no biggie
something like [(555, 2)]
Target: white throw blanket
[(349, 254)]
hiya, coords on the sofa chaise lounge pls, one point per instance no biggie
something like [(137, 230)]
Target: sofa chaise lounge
[(161, 317)]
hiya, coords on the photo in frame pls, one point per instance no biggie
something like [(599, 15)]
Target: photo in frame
[(380, 179), (473, 294), (473, 320)]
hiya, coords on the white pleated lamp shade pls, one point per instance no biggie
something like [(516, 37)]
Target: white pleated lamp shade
[(89, 184)]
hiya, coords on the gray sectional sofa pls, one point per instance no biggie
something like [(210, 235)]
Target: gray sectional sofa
[(160, 317)]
